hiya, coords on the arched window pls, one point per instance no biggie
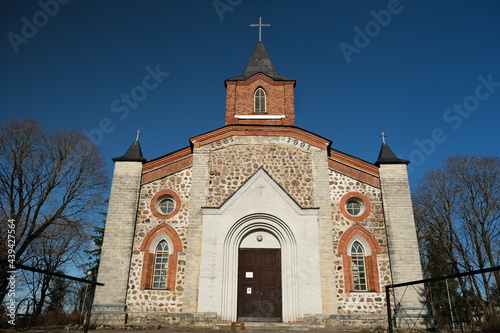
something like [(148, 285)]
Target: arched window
[(160, 266), (260, 101), (358, 267), (161, 247), (359, 250)]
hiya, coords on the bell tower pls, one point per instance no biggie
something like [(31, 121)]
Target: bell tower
[(260, 96)]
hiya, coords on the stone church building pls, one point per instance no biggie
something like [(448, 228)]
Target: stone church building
[(257, 221)]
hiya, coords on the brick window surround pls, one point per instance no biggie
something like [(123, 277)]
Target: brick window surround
[(160, 194), (149, 256), (371, 248), (361, 197)]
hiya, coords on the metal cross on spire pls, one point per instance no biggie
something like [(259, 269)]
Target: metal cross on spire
[(137, 135), (383, 136), (260, 25)]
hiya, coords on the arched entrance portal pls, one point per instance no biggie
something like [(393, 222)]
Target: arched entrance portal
[(276, 257)]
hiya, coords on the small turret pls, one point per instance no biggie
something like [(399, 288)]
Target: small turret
[(401, 234), (133, 154), (109, 303), (386, 156)]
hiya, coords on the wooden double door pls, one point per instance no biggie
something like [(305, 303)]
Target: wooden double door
[(259, 285)]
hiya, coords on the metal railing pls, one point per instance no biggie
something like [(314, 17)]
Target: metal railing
[(26, 315), (479, 313)]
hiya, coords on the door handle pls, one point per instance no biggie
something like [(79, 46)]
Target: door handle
[(260, 297)]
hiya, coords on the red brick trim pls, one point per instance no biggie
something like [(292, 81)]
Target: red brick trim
[(148, 262), (354, 172), (370, 261), (364, 198), (354, 162), (263, 77), (156, 213), (167, 169), (257, 130), (166, 159)]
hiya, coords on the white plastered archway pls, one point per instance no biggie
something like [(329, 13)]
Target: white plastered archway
[(284, 235)]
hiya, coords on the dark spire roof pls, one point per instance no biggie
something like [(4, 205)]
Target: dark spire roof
[(260, 62), (386, 156), (133, 154)]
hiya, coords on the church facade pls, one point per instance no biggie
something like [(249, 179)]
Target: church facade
[(256, 221)]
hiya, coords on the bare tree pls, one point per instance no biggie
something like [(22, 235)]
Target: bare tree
[(54, 253), (45, 177), (457, 210)]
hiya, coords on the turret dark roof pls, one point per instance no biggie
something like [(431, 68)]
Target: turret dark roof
[(260, 62), (133, 154), (387, 156)]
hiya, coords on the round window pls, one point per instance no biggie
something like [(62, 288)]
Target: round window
[(354, 207), (166, 205)]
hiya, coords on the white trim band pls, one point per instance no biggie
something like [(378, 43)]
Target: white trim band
[(260, 117)]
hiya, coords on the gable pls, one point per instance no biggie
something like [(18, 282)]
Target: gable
[(231, 164), (262, 193), (216, 137)]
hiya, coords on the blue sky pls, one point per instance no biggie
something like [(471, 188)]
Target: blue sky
[(424, 72)]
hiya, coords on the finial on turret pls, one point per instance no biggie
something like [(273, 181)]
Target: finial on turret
[(383, 136), (137, 135)]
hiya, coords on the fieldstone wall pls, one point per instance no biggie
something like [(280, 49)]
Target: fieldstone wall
[(151, 300), (231, 166), (358, 302), (227, 168)]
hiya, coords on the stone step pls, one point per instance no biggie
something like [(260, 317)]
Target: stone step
[(262, 326)]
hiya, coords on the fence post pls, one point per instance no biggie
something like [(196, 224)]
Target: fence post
[(89, 308)]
